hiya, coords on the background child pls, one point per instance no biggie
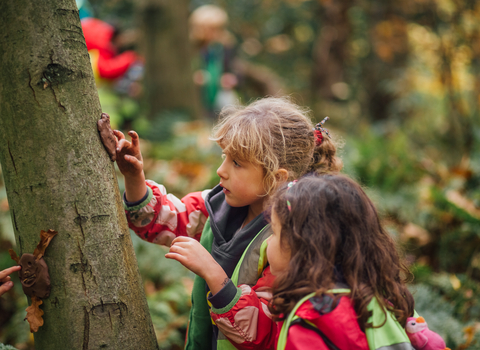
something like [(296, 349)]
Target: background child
[(264, 144), (214, 62), (327, 236)]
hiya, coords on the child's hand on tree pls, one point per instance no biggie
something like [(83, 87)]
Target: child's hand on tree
[(130, 162), (191, 254), (129, 157)]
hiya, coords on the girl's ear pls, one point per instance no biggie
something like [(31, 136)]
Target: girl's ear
[(281, 175)]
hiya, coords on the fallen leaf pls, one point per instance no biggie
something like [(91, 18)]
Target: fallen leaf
[(464, 203), (14, 256), (416, 233), (469, 335), (45, 238), (34, 314), (456, 284)]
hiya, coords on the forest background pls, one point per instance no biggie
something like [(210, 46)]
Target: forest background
[(400, 82)]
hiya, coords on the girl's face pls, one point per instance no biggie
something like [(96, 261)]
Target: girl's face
[(278, 255), (242, 183)]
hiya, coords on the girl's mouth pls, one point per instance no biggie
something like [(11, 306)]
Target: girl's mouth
[(224, 189)]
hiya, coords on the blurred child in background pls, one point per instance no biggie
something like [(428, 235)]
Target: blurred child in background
[(215, 48)]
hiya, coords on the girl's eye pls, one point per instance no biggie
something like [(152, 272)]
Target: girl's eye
[(236, 164), (224, 156)]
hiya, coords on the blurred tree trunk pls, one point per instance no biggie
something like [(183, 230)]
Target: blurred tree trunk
[(169, 84), (58, 176), (461, 110), (332, 54), (388, 38), (330, 51)]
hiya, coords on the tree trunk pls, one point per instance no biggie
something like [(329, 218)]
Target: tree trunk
[(169, 84), (58, 176), (330, 52)]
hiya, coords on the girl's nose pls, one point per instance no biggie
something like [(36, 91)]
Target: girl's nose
[(221, 171)]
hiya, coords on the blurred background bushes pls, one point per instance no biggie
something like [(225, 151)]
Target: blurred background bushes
[(400, 82)]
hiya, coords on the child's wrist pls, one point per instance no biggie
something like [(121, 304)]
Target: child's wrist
[(135, 187), (216, 278), (135, 178)]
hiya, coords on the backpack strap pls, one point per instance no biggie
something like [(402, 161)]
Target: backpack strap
[(312, 327), (222, 342), (282, 338)]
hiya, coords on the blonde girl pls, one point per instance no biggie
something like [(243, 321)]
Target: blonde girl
[(264, 144)]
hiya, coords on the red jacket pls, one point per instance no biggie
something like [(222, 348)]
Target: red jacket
[(98, 36), (339, 325), (248, 323)]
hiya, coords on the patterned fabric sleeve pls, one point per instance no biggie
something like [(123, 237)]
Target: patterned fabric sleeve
[(246, 320), (161, 217)]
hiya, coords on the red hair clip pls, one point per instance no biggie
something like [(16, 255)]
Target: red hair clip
[(317, 132)]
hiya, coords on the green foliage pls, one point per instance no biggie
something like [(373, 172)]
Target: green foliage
[(7, 347), (168, 292)]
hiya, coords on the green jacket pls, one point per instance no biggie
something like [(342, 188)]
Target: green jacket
[(249, 268)]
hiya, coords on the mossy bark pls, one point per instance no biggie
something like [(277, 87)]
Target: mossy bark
[(58, 176)]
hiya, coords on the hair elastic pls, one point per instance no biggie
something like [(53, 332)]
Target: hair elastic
[(290, 184), (317, 131)]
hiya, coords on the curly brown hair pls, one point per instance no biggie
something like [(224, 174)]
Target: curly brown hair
[(334, 235), (275, 133)]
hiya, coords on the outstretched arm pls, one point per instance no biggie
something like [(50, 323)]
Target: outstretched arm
[(246, 320)]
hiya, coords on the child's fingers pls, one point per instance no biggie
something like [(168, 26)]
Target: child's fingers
[(132, 160), (134, 137), (8, 271), (6, 279), (181, 239), (6, 287), (178, 248), (119, 134), (121, 144), (174, 256), (180, 258)]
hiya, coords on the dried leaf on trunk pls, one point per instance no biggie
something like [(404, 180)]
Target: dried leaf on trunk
[(45, 238), (34, 314), (14, 256)]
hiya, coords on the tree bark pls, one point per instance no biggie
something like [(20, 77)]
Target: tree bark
[(169, 84), (58, 176)]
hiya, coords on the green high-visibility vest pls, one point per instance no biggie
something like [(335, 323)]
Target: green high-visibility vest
[(199, 333)]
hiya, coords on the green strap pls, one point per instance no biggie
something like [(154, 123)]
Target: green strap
[(282, 338), (199, 333), (391, 335), (225, 344), (235, 273), (262, 261)]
